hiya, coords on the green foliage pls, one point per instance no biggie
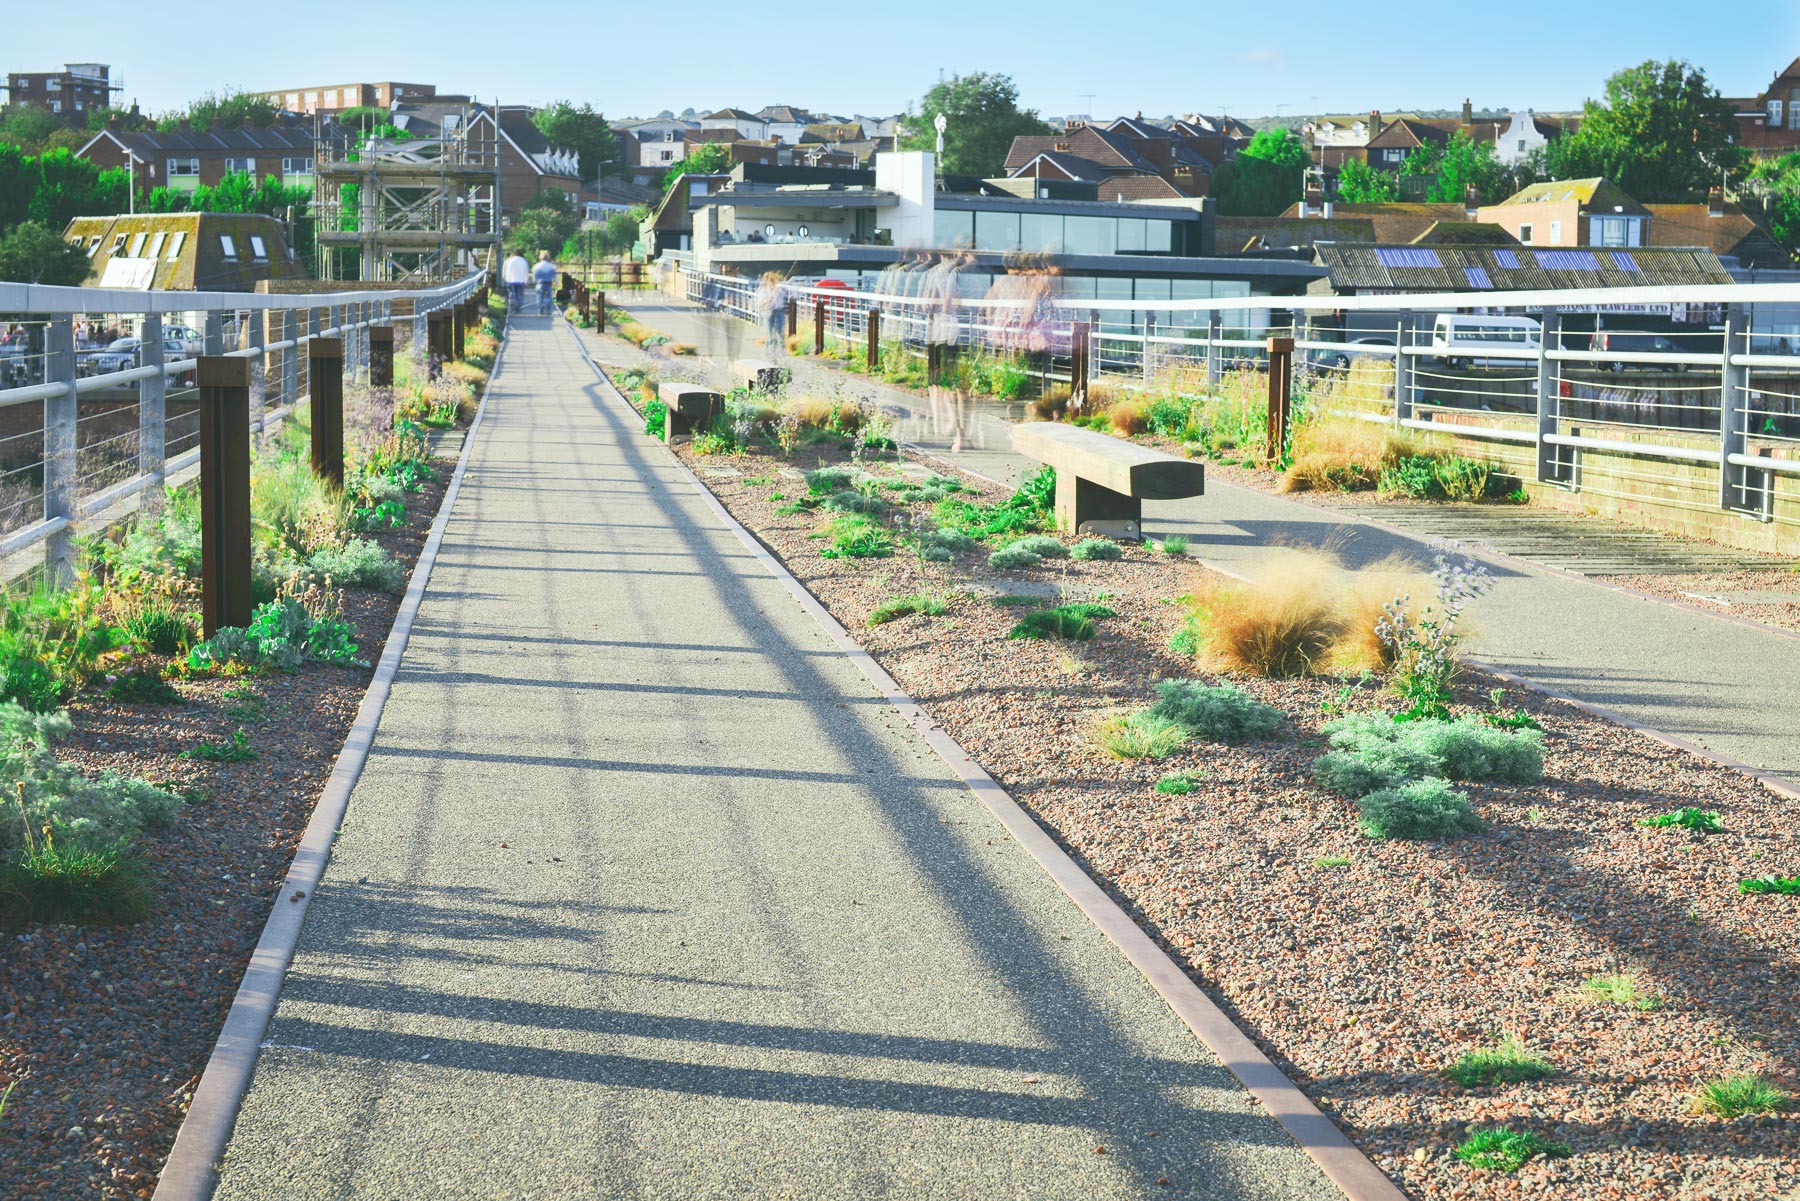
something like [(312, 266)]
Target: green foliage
[(849, 500), (1324, 861), (225, 109), (161, 629), (1090, 550), (1786, 886), (1026, 510), (1359, 183), (29, 128), (358, 563), (142, 685), (579, 129), (901, 606), (1781, 176), (1458, 165), (1073, 622), (827, 480), (1141, 735), (1265, 177), (1734, 1096), (1176, 783), (236, 749), (32, 254), (1700, 821), (656, 417), (983, 117), (63, 187), (1174, 544), (282, 635), (1518, 719), (74, 884), (704, 158), (854, 536), (1662, 133), (1618, 989), (1014, 558), (545, 222), (1427, 808), (242, 702), (36, 791), (1508, 1063), (1371, 752), (1498, 1149), (1042, 545), (1223, 714), (51, 640)]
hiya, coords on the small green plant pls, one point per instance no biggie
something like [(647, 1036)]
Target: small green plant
[(1223, 714), (1074, 622), (1013, 558), (1370, 752), (1041, 545), (242, 703), (1324, 861), (358, 563), (848, 500), (656, 418), (142, 685), (160, 629), (1734, 1096), (1507, 1063), (1786, 886), (826, 480), (1498, 1149), (1174, 544), (1141, 735), (1617, 989), (1094, 550), (1015, 600), (1176, 783), (1518, 719), (74, 884), (1426, 648), (1418, 809), (235, 750), (1700, 821), (854, 536), (902, 606)]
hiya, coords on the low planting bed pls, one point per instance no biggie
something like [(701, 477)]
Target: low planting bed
[(1498, 983)]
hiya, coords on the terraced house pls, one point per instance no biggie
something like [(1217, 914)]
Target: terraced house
[(183, 159)]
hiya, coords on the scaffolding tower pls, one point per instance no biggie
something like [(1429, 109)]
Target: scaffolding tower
[(414, 209)]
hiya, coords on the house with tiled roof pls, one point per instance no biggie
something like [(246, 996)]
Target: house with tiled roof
[(1571, 212), (1105, 156), (184, 252), (186, 157), (1769, 122), (829, 132), (1725, 229), (784, 123), (748, 126)]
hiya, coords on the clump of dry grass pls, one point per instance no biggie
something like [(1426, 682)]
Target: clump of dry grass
[(817, 412), (1364, 593), (1342, 454), (1127, 417)]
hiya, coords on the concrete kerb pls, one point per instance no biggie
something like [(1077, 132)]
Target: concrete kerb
[(1318, 1137), (191, 1171)]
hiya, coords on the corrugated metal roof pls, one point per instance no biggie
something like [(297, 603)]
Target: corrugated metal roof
[(1362, 267)]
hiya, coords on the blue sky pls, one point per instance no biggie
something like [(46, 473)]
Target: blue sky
[(1161, 58)]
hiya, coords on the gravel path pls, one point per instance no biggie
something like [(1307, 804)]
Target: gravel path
[(106, 1031), (645, 892), (1367, 979)]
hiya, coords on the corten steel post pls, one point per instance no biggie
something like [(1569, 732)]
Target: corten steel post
[(600, 312), (224, 492), (793, 316), (437, 341), (1081, 337), (1281, 386), (458, 323), (325, 363), (381, 356), (873, 354), (818, 326)]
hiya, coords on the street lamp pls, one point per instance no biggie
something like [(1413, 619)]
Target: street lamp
[(942, 122)]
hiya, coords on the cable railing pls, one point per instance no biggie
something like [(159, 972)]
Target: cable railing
[(1705, 375), (98, 403)]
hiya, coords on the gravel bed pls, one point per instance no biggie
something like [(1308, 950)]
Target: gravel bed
[(106, 1030), (1743, 594), (1365, 980)]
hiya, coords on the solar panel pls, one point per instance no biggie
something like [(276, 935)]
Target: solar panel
[(1567, 260), (1406, 256), (1624, 261), (1507, 259), (1478, 277)]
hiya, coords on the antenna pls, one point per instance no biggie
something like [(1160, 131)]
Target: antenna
[(1089, 97)]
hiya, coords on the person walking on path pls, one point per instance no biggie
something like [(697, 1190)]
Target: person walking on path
[(771, 305), (545, 275), (514, 273)]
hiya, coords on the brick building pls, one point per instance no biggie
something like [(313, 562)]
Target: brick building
[(74, 90), (182, 159), (1769, 122), (334, 97)]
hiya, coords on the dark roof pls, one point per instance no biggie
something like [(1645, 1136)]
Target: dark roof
[(1137, 127), (733, 114), (1406, 132), (147, 142), (1128, 188), (832, 131), (1732, 231), (785, 113), (1111, 152), (1465, 233), (1596, 194), (1399, 221), (1449, 268), (523, 131)]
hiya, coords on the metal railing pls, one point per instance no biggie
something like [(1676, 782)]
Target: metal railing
[(1601, 390), (88, 424)]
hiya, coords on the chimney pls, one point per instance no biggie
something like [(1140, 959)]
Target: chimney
[(1471, 202), (113, 124), (1374, 123), (1314, 200), (186, 123), (1715, 202), (1468, 113)]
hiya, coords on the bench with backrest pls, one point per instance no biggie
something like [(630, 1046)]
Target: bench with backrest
[(1102, 481), (758, 375), (690, 407)]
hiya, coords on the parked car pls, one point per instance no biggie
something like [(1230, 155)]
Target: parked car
[(1622, 341), (1331, 356), (1461, 340)]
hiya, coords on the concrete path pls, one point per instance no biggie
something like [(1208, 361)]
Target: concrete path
[(645, 893), (1731, 688)]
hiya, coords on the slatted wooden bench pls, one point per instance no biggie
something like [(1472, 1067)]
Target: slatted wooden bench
[(690, 407), (759, 375), (1102, 481)]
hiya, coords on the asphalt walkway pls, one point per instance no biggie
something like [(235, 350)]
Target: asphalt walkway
[(644, 892), (1723, 685)]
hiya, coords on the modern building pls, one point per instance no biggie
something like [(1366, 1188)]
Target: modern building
[(333, 97), (185, 252), (76, 89)]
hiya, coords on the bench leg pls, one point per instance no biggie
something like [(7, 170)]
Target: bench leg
[(1084, 507)]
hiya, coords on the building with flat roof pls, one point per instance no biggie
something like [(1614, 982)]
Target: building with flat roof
[(74, 90), (332, 97)]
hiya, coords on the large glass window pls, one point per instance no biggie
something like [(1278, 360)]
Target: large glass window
[(1041, 232), (1159, 236), (1131, 235), (1091, 235), (997, 231), (955, 229)]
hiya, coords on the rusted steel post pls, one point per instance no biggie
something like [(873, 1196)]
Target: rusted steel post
[(226, 598), (793, 316), (600, 312), (458, 325), (381, 356), (438, 340), (873, 354), (818, 326), (1081, 341), (325, 363), (1281, 387)]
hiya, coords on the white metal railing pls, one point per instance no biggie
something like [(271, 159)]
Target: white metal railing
[(1722, 391), (71, 468)]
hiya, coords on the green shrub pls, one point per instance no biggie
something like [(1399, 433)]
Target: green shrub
[(143, 684), (281, 635), (1508, 1063), (1176, 783), (1141, 735), (1734, 1096), (1090, 550), (1013, 558), (955, 542), (60, 883), (1174, 544), (1371, 752), (854, 536), (848, 500), (826, 480), (83, 811), (160, 629), (1498, 1149), (1041, 545), (236, 749), (359, 563), (1785, 886), (902, 606), (1223, 714), (1074, 622), (1417, 809), (51, 640), (1700, 821), (1167, 416), (1026, 510), (1410, 476), (656, 419)]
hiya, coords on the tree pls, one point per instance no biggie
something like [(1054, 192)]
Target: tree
[(705, 158), (545, 222), (1266, 176), (1359, 183), (225, 109), (983, 115), (129, 120), (1779, 178), (74, 187), (1458, 165), (34, 254), (582, 130), (1662, 134), (28, 127), (18, 184)]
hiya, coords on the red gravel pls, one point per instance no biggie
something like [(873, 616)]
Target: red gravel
[(1364, 981), (106, 1031)]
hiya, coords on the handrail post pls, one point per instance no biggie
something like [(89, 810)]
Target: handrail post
[(381, 356), (1403, 367), (326, 367), (600, 312), (153, 396), (60, 414), (793, 316), (1081, 342), (226, 598), (257, 335), (458, 320), (872, 323), (290, 358), (1215, 358), (438, 342), (1549, 462), (1733, 405), (1281, 392), (818, 326)]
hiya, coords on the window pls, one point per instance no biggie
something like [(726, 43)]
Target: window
[(137, 245), (1041, 232), (228, 246), (93, 245), (156, 245), (1521, 145), (296, 166), (668, 135), (257, 249), (996, 231), (246, 165), (118, 245), (1395, 256), (175, 245), (24, 85), (1794, 109), (954, 229), (1395, 155), (56, 106), (1556, 233), (1507, 258), (183, 166), (293, 101), (668, 156), (1478, 277), (1159, 236), (1525, 234), (1090, 235)]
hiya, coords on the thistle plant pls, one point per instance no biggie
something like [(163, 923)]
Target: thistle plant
[(1427, 647)]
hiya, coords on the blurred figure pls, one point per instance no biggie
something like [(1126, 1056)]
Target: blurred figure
[(771, 306), (545, 275), (514, 273)]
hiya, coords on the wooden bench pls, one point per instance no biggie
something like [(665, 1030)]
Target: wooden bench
[(690, 406), (759, 375), (1102, 481)]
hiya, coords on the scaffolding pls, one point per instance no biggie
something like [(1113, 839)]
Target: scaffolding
[(410, 209)]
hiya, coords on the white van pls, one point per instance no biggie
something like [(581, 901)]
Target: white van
[(1460, 340)]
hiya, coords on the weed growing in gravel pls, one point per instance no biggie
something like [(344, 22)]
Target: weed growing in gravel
[(72, 884), (1041, 545), (902, 606), (142, 685), (1734, 1096), (1700, 821), (1141, 735), (1332, 861), (1092, 550), (1177, 783), (1013, 558), (1418, 809), (1174, 544), (1508, 1063), (1371, 752), (854, 536), (242, 703), (1025, 511), (1222, 714), (282, 634), (1771, 886), (1014, 600), (160, 629), (1426, 648), (848, 500), (1074, 622), (1617, 989), (1498, 1149), (236, 750), (1518, 719)]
